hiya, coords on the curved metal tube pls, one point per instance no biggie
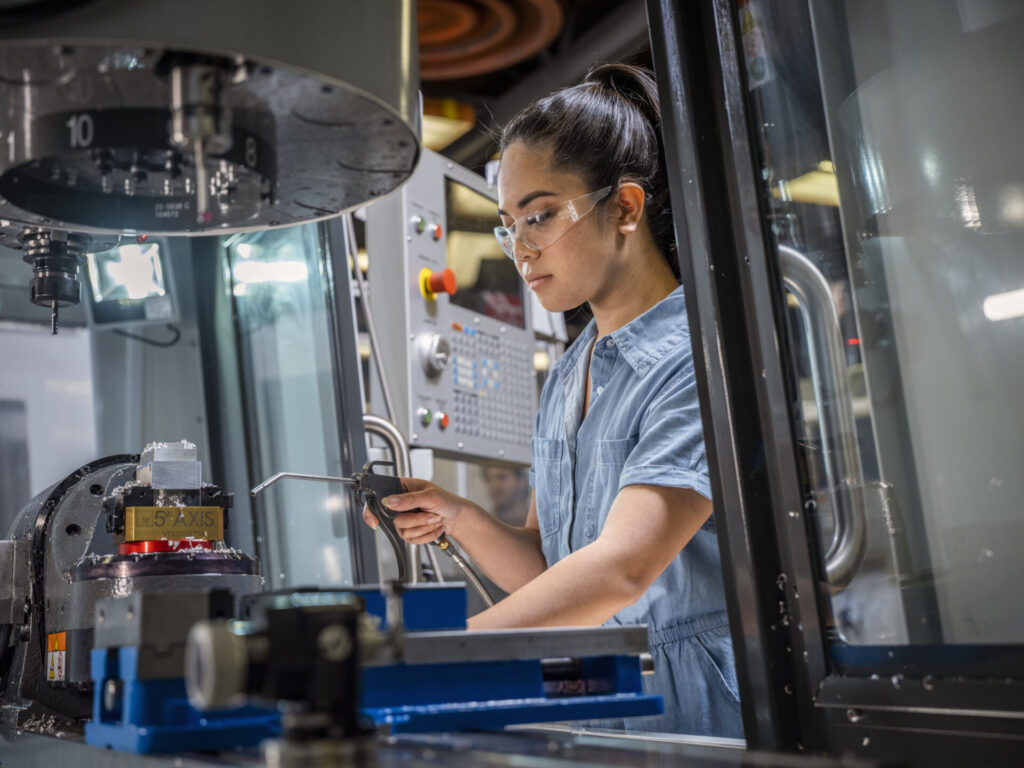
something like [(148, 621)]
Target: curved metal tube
[(282, 475), (843, 473), (445, 544), (390, 434), (371, 326), (400, 450)]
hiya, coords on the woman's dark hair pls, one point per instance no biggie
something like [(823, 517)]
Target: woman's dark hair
[(607, 130)]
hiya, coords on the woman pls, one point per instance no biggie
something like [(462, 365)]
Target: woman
[(620, 528)]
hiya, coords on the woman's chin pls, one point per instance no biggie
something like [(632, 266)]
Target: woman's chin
[(558, 303)]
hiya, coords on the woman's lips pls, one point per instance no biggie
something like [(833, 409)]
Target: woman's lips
[(537, 282)]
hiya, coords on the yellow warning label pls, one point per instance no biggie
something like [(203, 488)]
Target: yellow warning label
[(57, 641), (55, 661)]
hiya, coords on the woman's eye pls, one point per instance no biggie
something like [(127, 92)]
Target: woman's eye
[(536, 219)]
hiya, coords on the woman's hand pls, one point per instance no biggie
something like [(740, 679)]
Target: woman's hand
[(437, 511)]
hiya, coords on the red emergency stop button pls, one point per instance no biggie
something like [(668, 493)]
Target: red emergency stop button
[(433, 283)]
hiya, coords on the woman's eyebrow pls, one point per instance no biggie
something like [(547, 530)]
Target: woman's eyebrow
[(529, 198)]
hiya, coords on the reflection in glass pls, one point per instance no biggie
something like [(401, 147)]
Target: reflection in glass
[(126, 272), (916, 107), (281, 306)]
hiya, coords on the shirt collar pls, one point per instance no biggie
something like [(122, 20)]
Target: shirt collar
[(643, 341)]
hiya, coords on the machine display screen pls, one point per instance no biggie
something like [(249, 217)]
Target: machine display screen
[(488, 280)]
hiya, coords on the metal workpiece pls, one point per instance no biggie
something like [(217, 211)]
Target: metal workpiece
[(171, 466), (172, 117), (830, 377), (15, 579)]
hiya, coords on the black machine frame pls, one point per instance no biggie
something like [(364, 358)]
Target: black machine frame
[(793, 695)]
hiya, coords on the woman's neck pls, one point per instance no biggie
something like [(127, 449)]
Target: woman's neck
[(636, 289)]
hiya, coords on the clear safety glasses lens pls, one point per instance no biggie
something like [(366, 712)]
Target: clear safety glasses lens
[(541, 228)]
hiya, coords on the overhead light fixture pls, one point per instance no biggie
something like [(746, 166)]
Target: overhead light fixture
[(444, 121), (1004, 306), (251, 272)]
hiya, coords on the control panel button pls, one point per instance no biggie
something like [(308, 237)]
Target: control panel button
[(434, 352), (435, 231), (442, 419), (433, 283), (419, 224), (426, 416)]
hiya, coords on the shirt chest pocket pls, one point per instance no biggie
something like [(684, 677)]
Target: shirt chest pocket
[(609, 458), (548, 484)]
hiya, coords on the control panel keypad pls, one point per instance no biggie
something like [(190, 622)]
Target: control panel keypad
[(493, 381)]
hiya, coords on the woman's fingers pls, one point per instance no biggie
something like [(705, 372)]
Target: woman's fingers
[(425, 538), (426, 499), (411, 520), (419, 527), (414, 484), (413, 527)]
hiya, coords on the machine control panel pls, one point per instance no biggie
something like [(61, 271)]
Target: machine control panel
[(457, 331)]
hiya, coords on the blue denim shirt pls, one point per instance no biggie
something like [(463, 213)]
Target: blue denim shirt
[(642, 427)]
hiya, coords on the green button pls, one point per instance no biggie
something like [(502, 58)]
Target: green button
[(420, 223)]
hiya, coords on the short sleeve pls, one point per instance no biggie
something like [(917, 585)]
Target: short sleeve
[(670, 448)]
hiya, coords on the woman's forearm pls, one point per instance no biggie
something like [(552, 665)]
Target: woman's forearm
[(597, 581), (584, 589), (509, 555)]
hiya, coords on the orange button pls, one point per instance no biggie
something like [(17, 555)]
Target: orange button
[(435, 231), (442, 419), (442, 282)]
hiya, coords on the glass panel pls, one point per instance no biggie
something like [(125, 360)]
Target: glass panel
[(894, 187), (13, 462), (279, 284)]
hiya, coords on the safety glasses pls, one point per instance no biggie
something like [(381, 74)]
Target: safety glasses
[(541, 228)]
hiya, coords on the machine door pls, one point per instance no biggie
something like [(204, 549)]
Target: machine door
[(300, 388), (866, 157)]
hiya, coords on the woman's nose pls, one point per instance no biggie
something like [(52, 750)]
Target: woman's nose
[(521, 251)]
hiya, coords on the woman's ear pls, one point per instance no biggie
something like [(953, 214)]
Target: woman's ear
[(630, 198)]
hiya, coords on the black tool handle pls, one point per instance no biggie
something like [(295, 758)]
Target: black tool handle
[(373, 488)]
